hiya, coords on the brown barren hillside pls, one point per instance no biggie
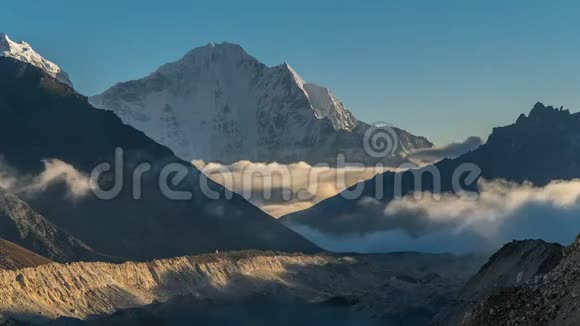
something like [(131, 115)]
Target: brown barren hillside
[(359, 282), (14, 257)]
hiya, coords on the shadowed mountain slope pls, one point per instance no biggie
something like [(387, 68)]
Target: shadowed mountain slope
[(42, 118), (23, 226), (539, 148)]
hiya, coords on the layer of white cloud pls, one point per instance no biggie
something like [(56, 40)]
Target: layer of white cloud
[(280, 189), (485, 213), (55, 171), (431, 155), (503, 211)]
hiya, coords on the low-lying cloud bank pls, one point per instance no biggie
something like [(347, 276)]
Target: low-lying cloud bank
[(431, 155), (280, 189), (55, 171), (503, 211)]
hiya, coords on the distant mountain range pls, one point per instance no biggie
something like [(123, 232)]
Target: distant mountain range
[(219, 104)]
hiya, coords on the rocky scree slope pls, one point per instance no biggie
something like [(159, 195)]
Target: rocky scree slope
[(81, 290), (549, 299), (515, 263)]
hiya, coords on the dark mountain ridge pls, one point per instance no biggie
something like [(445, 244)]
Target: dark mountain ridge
[(45, 119), (538, 148), (549, 298)]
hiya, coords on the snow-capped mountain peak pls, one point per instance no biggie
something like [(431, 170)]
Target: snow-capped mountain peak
[(24, 52), (217, 51), (322, 101), (218, 103), (293, 73)]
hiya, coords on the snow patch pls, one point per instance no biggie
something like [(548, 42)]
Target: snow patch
[(24, 52)]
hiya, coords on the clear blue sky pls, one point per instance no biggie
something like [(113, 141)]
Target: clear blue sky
[(443, 69)]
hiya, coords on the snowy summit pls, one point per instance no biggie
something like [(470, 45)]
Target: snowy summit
[(24, 52), (220, 104)]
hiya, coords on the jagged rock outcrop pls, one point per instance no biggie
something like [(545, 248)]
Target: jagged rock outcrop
[(515, 263), (14, 257), (549, 299), (419, 282)]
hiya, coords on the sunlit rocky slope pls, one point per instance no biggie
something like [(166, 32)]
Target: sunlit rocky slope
[(81, 290)]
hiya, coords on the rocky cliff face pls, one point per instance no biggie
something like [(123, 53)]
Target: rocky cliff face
[(515, 263), (549, 299), (419, 282), (540, 147)]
